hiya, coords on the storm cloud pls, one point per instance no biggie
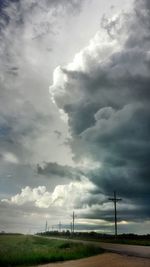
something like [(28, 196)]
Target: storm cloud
[(105, 95), (53, 169), (70, 149)]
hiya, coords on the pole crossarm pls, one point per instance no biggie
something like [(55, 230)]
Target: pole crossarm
[(115, 199)]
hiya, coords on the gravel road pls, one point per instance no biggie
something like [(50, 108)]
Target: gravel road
[(131, 250), (104, 260)]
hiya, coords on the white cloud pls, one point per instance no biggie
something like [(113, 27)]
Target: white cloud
[(87, 164), (39, 196), (10, 157), (68, 195), (99, 49), (73, 194), (97, 52)]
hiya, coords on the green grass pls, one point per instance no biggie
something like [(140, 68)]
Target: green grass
[(19, 250), (130, 242), (138, 242)]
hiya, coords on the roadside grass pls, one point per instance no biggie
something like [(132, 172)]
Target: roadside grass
[(128, 239), (131, 242), (24, 250), (138, 242)]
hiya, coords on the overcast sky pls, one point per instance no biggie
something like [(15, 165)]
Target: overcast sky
[(74, 114)]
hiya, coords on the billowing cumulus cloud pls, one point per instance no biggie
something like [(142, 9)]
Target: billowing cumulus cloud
[(33, 203), (37, 195), (69, 195), (105, 95)]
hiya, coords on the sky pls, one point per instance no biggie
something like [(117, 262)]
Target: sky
[(74, 114)]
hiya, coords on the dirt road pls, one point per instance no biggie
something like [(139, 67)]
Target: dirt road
[(104, 260), (130, 250)]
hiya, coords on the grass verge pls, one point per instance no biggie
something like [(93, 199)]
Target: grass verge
[(122, 241), (21, 250)]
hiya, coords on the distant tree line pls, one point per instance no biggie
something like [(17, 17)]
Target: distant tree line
[(93, 235)]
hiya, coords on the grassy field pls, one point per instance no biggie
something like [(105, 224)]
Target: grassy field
[(130, 242), (19, 250), (123, 241), (129, 239)]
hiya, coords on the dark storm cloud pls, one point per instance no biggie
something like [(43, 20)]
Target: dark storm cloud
[(16, 127), (54, 169), (108, 108), (130, 215)]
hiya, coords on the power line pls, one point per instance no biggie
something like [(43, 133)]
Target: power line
[(115, 200)]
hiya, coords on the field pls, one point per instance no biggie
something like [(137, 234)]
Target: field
[(118, 241), (128, 239), (19, 250), (138, 242)]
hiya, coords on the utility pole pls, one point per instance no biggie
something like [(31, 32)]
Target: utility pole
[(59, 226), (71, 227), (73, 219), (46, 227), (115, 200)]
